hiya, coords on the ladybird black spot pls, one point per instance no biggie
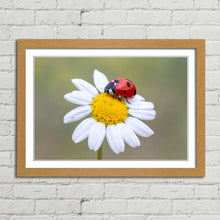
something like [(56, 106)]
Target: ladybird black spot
[(124, 91), (134, 92), (116, 81), (128, 84)]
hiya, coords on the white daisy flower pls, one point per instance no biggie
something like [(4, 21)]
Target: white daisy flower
[(109, 116)]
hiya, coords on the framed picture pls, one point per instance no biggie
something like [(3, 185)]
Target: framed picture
[(111, 108)]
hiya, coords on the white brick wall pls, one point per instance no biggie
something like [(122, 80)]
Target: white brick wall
[(109, 198)]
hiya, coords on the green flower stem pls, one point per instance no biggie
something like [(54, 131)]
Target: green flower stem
[(99, 153)]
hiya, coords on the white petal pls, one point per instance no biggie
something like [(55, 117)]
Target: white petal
[(128, 135), (82, 130), (84, 86), (77, 113), (136, 98), (143, 114), (141, 105), (115, 139), (79, 98), (100, 80), (96, 136), (138, 127)]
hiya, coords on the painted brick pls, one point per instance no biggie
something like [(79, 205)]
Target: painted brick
[(33, 4), (7, 48), (32, 32), (196, 17), (218, 97), (126, 217), (71, 32), (148, 206), (13, 159), (80, 4), (4, 217), (16, 17), (212, 158), (207, 17), (171, 191), (148, 17), (80, 217), (169, 4), (13, 62), (212, 62), (5, 158), (206, 191), (212, 142), (81, 191), (205, 217), (175, 217), (6, 4), (7, 80), (4, 33), (7, 112), (51, 181), (127, 191), (7, 143), (196, 206), (150, 180), (33, 217), (212, 175), (106, 206), (16, 206), (57, 206), (206, 32), (212, 47), (201, 4), (126, 4), (5, 63), (58, 17), (104, 17), (212, 112), (12, 128), (211, 97), (212, 79), (169, 32), (183, 17), (6, 191), (8, 175), (7, 96), (87, 180), (213, 128), (34, 191), (4, 128), (125, 32)]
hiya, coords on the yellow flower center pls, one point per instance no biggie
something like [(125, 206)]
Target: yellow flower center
[(108, 109)]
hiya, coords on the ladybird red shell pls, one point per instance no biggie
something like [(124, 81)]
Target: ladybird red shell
[(124, 87)]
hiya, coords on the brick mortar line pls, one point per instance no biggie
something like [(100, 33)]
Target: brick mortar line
[(101, 9), (86, 24)]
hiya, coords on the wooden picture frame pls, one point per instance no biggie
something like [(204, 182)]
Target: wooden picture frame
[(198, 46)]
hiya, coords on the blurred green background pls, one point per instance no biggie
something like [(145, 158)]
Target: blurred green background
[(162, 81)]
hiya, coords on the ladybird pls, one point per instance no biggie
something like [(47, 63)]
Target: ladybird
[(121, 87)]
